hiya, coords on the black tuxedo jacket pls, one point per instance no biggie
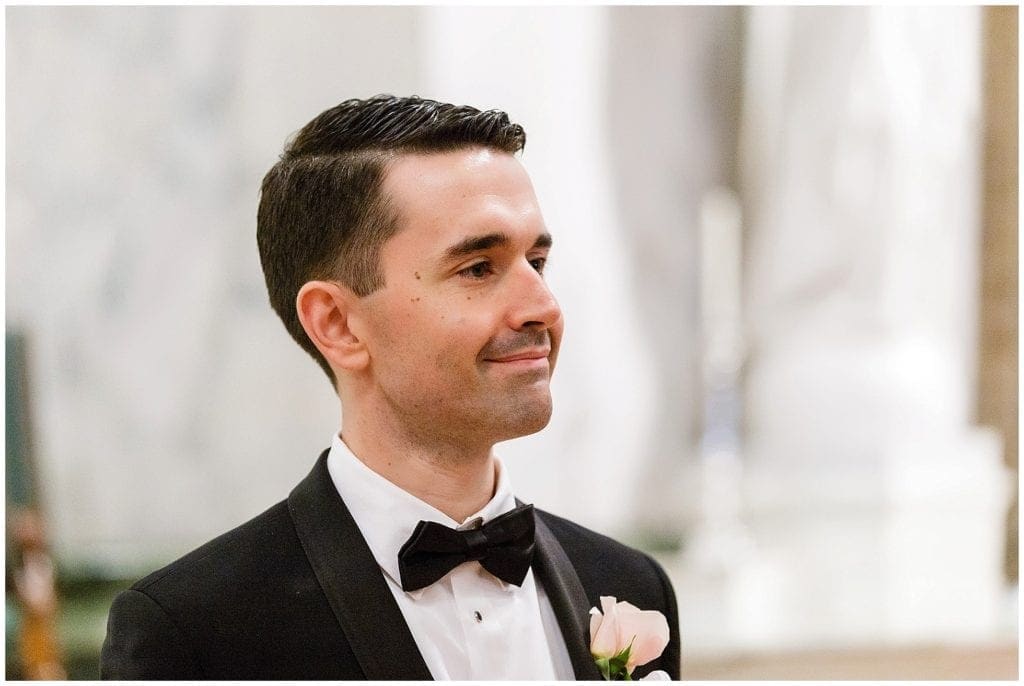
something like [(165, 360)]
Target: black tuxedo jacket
[(295, 593)]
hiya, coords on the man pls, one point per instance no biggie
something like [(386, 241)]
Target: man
[(404, 250)]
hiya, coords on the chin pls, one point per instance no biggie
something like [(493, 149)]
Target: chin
[(526, 420)]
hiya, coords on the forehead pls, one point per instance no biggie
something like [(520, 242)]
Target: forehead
[(439, 197)]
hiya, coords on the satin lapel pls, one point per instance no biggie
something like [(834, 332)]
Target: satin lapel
[(569, 601), (352, 581)]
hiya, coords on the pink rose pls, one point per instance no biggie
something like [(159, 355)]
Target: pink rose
[(623, 624)]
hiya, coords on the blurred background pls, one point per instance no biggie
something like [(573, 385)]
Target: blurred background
[(786, 250)]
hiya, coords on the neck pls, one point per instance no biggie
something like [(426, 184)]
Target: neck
[(454, 478)]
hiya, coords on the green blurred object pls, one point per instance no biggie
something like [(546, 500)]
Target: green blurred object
[(20, 481), (12, 667), (85, 602)]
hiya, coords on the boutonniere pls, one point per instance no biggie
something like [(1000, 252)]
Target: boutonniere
[(624, 637)]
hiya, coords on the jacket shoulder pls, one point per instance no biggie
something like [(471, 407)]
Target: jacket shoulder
[(142, 642), (245, 605), (228, 559), (584, 545)]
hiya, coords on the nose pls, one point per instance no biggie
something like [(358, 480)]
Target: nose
[(532, 305)]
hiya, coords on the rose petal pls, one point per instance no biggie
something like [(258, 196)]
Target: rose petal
[(626, 606), (595, 622), (603, 632), (650, 629), (623, 624)]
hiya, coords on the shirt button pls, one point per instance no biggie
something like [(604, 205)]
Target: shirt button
[(479, 617)]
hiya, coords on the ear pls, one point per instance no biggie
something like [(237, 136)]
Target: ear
[(324, 309)]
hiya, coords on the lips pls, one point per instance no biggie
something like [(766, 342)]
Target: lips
[(524, 355)]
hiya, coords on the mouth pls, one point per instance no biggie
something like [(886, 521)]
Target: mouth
[(523, 356), (524, 360)]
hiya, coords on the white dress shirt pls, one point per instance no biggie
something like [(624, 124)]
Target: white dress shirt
[(470, 625)]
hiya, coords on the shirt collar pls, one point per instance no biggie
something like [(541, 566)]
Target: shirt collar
[(387, 515)]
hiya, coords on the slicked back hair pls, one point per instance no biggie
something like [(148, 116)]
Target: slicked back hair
[(323, 214)]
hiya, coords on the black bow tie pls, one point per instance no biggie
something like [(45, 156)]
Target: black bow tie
[(503, 546)]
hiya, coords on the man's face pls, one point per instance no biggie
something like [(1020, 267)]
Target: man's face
[(464, 335)]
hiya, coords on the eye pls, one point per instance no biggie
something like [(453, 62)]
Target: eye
[(539, 263), (478, 270)]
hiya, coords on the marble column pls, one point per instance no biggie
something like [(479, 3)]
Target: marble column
[(874, 499)]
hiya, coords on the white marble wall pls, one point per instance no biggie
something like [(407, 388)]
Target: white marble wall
[(170, 402)]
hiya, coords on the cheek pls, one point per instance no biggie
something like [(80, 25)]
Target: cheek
[(436, 333), (421, 333), (396, 329), (454, 341)]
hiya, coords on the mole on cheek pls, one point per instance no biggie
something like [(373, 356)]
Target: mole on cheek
[(416, 274)]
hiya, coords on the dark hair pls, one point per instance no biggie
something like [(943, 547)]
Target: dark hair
[(322, 213)]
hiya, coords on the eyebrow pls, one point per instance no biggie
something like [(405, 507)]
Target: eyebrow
[(474, 244)]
